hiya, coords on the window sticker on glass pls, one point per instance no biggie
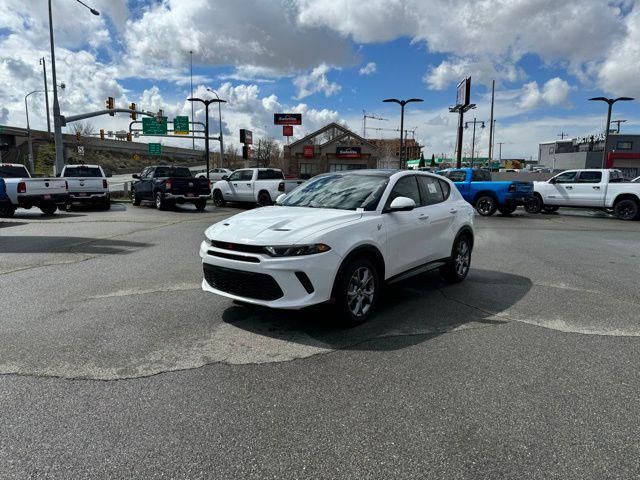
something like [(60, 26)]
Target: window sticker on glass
[(431, 187)]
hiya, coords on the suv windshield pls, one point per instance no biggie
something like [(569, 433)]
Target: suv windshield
[(82, 172), (175, 172), (343, 192)]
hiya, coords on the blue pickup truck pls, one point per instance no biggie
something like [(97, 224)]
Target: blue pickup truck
[(487, 196)]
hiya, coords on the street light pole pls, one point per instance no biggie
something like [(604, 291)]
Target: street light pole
[(46, 95), (473, 139), (609, 102), (222, 162), (206, 132), (402, 103), (57, 121), (29, 141), (193, 133)]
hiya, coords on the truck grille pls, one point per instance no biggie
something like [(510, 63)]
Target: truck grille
[(244, 284)]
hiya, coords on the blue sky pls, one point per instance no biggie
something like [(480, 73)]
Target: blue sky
[(308, 56)]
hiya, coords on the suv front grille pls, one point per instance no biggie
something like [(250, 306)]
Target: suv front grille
[(244, 284), (237, 247)]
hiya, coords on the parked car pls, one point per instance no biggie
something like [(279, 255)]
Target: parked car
[(588, 188), (168, 185), (87, 185), (47, 194), (215, 174), (255, 185), (341, 236), (487, 196)]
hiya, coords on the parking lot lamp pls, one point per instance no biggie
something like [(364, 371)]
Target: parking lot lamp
[(402, 103), (610, 102), (222, 163), (206, 123)]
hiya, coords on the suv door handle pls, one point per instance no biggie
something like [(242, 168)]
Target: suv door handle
[(569, 187), (453, 210), (248, 184), (596, 188), (235, 184), (423, 217)]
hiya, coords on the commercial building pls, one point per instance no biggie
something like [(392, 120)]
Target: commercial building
[(390, 150), (623, 152), (331, 148)]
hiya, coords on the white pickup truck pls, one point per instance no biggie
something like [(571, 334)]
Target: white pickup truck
[(254, 185), (588, 188), (87, 185), (26, 192)]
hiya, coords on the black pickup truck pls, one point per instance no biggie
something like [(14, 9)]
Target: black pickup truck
[(169, 185)]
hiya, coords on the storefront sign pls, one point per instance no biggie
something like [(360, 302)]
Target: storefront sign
[(287, 130), (307, 151), (287, 119), (246, 136), (348, 152)]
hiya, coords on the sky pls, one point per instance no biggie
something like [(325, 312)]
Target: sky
[(331, 59)]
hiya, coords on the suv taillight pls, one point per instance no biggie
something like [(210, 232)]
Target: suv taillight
[(167, 184), (22, 187), (104, 184), (209, 184), (281, 187)]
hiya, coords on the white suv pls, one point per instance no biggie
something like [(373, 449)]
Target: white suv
[(340, 236)]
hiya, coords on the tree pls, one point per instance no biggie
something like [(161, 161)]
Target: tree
[(433, 160), (268, 152), (421, 164), (86, 129), (45, 158)]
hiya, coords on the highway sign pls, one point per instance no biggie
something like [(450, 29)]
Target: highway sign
[(151, 126), (181, 126), (155, 149)]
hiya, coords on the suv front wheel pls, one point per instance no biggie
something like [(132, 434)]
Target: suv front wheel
[(457, 268), (358, 292)]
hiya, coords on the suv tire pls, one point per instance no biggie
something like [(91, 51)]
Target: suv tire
[(358, 291), (457, 268), (218, 199), (627, 209), (486, 205)]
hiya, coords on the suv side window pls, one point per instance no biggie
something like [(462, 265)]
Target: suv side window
[(456, 175), (430, 190), (147, 172), (405, 187), (246, 174), (446, 189), (269, 175), (481, 176), (566, 177), (589, 177)]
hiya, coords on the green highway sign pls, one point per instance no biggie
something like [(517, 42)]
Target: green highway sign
[(151, 126), (155, 149), (181, 126)]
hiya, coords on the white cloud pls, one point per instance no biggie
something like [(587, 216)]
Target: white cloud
[(554, 92), (482, 70), (316, 81), (368, 69)]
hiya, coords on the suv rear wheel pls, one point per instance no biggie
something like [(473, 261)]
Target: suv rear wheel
[(626, 209), (264, 199), (160, 202), (48, 208), (358, 292), (486, 205), (534, 205), (218, 199)]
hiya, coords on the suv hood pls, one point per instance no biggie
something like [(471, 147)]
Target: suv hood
[(278, 225)]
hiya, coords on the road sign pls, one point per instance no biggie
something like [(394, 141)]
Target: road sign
[(155, 149), (81, 150), (136, 156), (151, 126), (180, 126)]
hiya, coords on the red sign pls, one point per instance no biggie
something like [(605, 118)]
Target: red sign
[(307, 151), (287, 130), (347, 152)]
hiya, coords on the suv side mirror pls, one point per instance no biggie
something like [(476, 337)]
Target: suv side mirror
[(135, 175), (402, 204), (225, 177), (553, 180)]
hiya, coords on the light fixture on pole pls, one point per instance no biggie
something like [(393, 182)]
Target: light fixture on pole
[(609, 102), (473, 140), (193, 133), (206, 128), (222, 162), (57, 121), (402, 103), (26, 110), (618, 122)]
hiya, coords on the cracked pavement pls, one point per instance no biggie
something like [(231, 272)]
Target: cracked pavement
[(500, 375)]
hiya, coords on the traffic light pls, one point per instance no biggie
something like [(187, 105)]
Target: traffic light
[(78, 135), (133, 115), (128, 136), (102, 134), (111, 105)]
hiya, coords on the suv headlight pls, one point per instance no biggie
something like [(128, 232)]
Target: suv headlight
[(296, 250)]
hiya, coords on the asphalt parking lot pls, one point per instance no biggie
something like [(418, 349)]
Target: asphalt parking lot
[(114, 363)]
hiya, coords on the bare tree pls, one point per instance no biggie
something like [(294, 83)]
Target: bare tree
[(84, 128)]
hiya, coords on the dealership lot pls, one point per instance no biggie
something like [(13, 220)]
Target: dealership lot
[(115, 362)]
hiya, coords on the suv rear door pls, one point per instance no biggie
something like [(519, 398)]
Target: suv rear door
[(244, 186), (434, 193)]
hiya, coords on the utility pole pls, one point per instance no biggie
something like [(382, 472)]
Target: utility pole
[(193, 133), (46, 95), (562, 135), (618, 122), (364, 122), (500, 151), (491, 120)]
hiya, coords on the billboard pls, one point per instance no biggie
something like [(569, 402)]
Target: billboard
[(307, 151), (287, 130), (246, 136), (463, 94), (247, 152), (287, 119), (348, 152)]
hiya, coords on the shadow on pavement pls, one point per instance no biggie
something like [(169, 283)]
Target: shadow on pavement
[(11, 224), (420, 308), (36, 214), (45, 244)]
